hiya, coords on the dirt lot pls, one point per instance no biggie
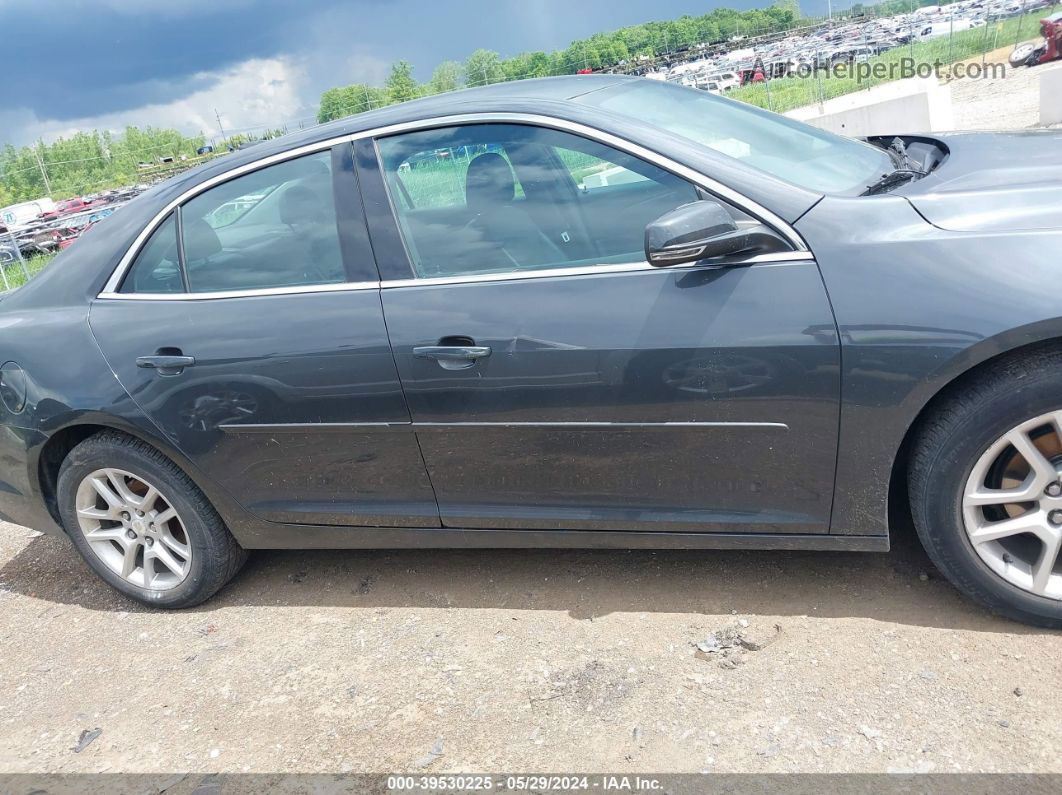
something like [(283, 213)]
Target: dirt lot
[(523, 660), (1011, 102)]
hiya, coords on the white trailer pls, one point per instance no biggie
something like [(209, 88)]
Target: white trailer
[(20, 214)]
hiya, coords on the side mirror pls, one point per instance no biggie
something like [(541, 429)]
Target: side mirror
[(695, 231)]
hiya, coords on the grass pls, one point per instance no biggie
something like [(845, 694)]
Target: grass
[(15, 276), (786, 93), (441, 182)]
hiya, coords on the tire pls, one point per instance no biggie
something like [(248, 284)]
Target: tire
[(1020, 55), (956, 437), (213, 555)]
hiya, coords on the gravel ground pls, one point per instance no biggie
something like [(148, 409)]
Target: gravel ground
[(557, 661), (1011, 102), (1006, 103)]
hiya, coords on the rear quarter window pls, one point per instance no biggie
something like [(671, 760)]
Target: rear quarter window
[(156, 268)]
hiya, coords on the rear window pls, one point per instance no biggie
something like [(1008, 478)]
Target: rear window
[(156, 268)]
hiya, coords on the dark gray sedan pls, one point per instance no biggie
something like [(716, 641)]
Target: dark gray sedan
[(576, 312)]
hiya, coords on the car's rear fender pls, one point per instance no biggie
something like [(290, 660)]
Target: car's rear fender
[(69, 391)]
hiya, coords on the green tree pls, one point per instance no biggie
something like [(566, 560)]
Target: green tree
[(446, 77), (483, 67), (331, 105), (87, 162), (401, 85), (541, 65), (787, 9), (348, 100)]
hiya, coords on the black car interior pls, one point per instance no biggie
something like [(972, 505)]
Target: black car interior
[(524, 202), (302, 249), (286, 237), (553, 222)]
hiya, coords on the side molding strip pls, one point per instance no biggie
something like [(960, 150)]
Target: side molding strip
[(385, 427)]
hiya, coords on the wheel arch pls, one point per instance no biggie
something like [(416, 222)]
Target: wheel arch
[(65, 438), (899, 508)]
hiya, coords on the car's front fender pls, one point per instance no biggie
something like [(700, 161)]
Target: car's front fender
[(916, 308)]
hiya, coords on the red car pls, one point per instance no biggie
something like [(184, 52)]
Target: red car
[(68, 206)]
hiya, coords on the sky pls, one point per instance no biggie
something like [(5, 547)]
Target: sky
[(106, 64)]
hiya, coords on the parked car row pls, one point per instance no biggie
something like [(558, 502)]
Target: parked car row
[(44, 226), (720, 68)]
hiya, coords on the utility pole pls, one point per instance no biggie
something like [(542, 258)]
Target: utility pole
[(44, 173), (220, 128)]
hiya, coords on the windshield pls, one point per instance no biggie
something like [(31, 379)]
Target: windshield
[(808, 157)]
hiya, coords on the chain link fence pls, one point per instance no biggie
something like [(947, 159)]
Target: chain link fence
[(14, 268), (23, 256)]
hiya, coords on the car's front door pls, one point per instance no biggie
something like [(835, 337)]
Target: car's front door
[(265, 357), (556, 381)]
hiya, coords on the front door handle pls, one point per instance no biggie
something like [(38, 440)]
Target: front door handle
[(452, 357), (165, 364)]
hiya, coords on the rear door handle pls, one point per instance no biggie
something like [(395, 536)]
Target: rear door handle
[(453, 357), (165, 364)]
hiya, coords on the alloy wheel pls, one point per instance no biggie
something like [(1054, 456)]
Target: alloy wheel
[(133, 529), (1012, 506)]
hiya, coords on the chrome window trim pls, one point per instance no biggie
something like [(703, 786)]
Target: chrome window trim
[(211, 296), (110, 289), (591, 270)]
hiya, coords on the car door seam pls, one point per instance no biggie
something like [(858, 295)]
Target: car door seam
[(405, 400), (840, 396)]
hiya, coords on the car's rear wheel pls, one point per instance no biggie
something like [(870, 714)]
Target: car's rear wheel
[(142, 524), (986, 489)]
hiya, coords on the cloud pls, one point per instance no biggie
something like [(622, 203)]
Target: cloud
[(104, 56), (250, 96), (109, 63)]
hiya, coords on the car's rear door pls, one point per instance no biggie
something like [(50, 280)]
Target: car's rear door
[(556, 381), (265, 358)]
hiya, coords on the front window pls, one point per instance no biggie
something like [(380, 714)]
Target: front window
[(500, 198), (806, 156)]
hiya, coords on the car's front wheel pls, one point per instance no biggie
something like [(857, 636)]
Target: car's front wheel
[(142, 524), (985, 482)]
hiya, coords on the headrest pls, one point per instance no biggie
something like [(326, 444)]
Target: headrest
[(200, 239), (489, 182), (299, 205)]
